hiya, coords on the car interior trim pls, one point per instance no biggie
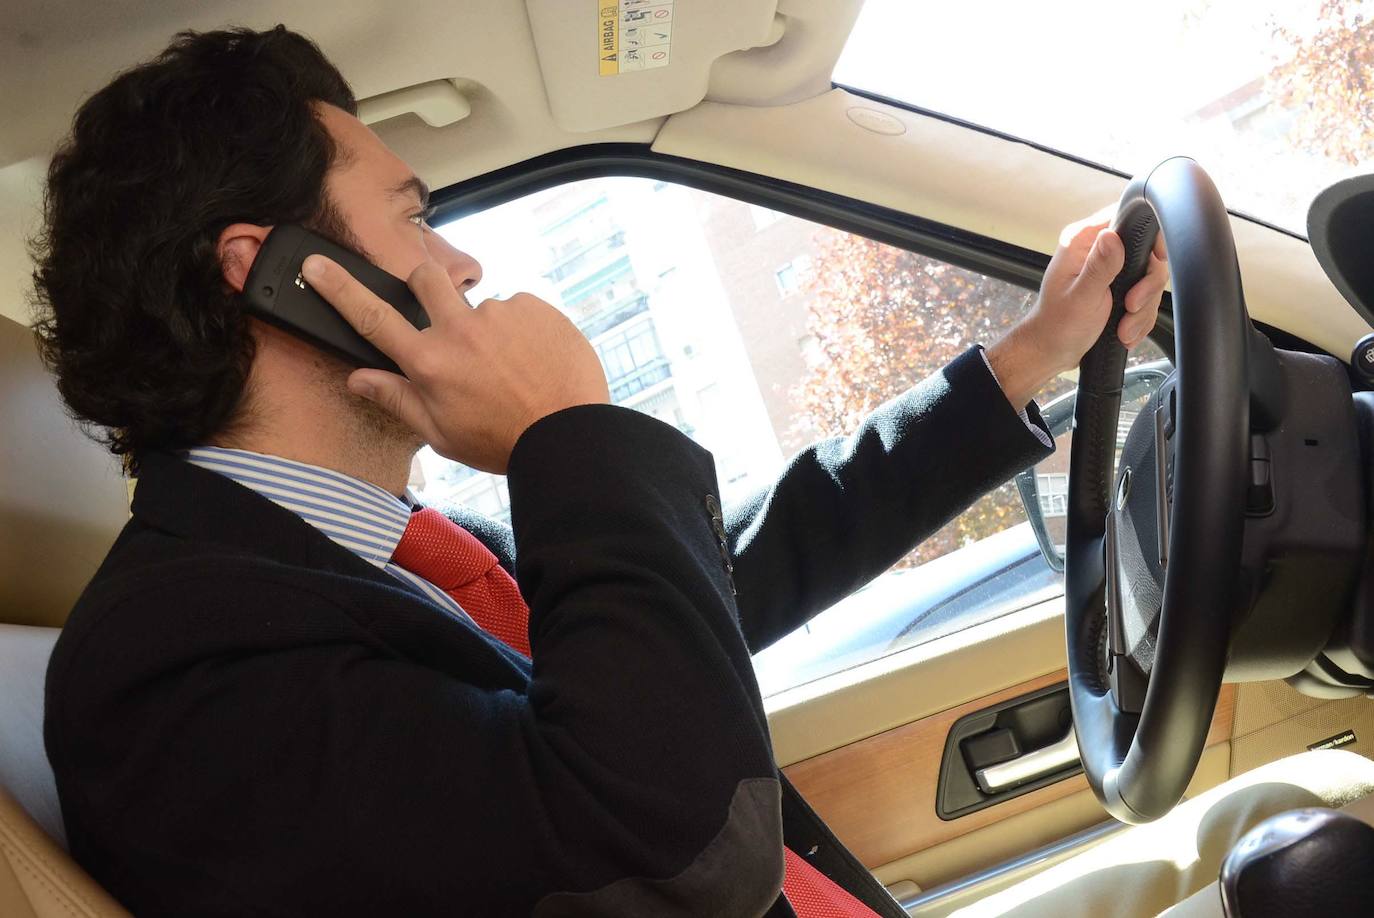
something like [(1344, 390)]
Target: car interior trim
[(879, 795), (1034, 145), (930, 899)]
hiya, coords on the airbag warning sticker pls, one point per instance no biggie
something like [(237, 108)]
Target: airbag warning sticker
[(633, 35)]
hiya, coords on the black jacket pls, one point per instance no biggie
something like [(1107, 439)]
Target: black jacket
[(247, 719)]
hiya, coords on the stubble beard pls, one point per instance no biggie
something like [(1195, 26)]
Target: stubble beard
[(371, 431)]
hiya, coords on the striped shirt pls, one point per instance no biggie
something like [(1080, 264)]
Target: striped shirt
[(1041, 433), (355, 514)]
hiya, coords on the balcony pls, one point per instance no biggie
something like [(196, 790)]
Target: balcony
[(580, 211), (579, 260), (615, 314), (655, 371), (598, 279)]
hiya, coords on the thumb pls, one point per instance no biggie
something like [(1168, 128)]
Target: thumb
[(1104, 262), (394, 394)]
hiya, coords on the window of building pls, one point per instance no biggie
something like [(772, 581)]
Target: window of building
[(1054, 494), (674, 314), (633, 360), (790, 275)]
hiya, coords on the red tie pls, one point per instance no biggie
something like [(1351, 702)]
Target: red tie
[(451, 558)]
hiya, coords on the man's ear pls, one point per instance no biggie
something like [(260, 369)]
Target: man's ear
[(238, 246)]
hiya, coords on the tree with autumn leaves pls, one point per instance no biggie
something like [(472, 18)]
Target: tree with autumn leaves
[(882, 319), (1327, 82)]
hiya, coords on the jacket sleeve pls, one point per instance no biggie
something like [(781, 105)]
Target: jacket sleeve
[(846, 509), (633, 777)]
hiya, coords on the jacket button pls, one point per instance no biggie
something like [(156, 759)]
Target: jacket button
[(719, 526), (713, 506)]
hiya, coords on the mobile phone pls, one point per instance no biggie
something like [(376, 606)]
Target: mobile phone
[(276, 292)]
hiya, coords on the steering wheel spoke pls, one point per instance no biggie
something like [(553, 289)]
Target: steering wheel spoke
[(1124, 678)]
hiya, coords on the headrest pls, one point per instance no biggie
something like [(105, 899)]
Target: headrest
[(1340, 227)]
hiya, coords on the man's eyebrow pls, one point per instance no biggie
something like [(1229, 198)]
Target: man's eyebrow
[(412, 185)]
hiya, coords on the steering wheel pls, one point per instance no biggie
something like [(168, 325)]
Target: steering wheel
[(1152, 557)]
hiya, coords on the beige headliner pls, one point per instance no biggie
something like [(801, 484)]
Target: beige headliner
[(768, 108)]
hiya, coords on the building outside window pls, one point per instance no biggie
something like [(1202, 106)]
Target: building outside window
[(1054, 494)]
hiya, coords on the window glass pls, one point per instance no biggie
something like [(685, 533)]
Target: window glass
[(757, 344), (1272, 97)]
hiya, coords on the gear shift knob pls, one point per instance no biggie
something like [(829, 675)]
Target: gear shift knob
[(1304, 862)]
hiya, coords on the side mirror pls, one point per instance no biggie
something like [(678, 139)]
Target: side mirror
[(1044, 487)]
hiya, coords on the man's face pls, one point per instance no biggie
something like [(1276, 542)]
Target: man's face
[(382, 203)]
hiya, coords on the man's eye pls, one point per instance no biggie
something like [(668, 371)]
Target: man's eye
[(422, 217)]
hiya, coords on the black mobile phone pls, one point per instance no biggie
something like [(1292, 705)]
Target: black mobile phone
[(276, 292)]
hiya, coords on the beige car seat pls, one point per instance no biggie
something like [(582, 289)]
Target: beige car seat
[(37, 878), (61, 507)]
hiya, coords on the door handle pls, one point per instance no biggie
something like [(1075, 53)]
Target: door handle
[(988, 757), (1037, 764)]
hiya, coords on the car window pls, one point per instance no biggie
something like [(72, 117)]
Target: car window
[(757, 333)]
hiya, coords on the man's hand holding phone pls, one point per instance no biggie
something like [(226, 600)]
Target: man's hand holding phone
[(477, 378)]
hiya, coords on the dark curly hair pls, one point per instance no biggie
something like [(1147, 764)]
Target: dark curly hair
[(150, 348)]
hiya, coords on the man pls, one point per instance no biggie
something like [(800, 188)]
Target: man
[(273, 697)]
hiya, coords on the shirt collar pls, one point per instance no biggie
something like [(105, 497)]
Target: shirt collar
[(355, 514)]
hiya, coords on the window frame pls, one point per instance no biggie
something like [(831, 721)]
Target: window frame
[(992, 257), (961, 248)]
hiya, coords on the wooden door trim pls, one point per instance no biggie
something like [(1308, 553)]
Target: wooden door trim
[(878, 794)]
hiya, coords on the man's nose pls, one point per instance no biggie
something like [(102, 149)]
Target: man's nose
[(462, 268)]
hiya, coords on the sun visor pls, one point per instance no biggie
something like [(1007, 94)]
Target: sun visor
[(1340, 227), (612, 62)]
